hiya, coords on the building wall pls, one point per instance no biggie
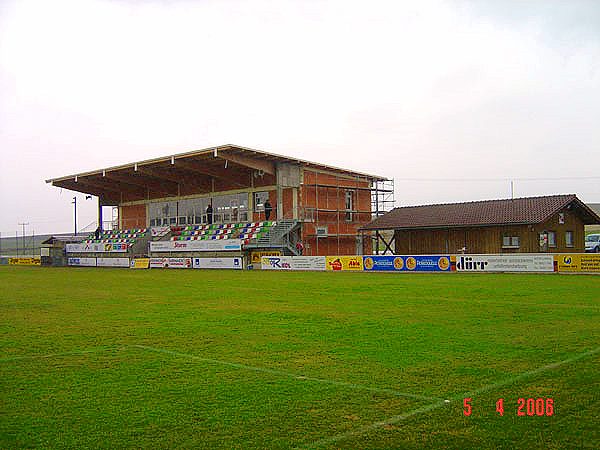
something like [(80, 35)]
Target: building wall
[(132, 216), (572, 222), (315, 206), (324, 206), (490, 239)]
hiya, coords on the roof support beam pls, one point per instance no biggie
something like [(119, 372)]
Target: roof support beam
[(254, 163), (96, 189), (166, 173), (164, 187), (207, 171), (159, 175)]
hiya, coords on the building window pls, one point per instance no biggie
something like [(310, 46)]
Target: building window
[(349, 197), (551, 238), (569, 238), (510, 242), (259, 200)]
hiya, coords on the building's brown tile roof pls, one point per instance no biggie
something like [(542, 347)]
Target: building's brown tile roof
[(528, 210)]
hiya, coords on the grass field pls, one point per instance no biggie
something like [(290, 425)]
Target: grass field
[(202, 359)]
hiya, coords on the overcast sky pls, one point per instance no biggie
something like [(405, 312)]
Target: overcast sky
[(452, 99)]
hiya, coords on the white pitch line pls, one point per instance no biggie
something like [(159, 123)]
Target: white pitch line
[(55, 355), (399, 418), (289, 374)]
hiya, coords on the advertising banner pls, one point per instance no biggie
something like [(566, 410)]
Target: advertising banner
[(217, 245), (24, 261), (585, 262), (417, 263), (218, 263), (171, 263), (159, 231), (140, 263), (112, 262), (84, 262), (354, 263), (505, 263), (293, 262), (255, 257), (96, 248)]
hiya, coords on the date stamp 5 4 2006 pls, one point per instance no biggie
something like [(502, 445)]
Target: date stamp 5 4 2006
[(524, 407)]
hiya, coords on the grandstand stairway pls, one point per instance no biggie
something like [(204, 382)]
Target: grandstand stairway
[(278, 236)]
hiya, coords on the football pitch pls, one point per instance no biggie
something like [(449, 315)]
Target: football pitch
[(117, 358)]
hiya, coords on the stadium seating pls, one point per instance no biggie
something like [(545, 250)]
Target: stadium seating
[(117, 236), (245, 231)]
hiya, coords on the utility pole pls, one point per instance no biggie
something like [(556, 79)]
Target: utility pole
[(23, 235), (75, 212)]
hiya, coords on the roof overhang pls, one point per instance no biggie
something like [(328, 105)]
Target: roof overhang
[(165, 176), (444, 227)]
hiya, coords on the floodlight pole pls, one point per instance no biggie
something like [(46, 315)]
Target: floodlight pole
[(23, 235), (74, 202)]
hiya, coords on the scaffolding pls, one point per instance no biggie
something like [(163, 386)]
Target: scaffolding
[(322, 214)]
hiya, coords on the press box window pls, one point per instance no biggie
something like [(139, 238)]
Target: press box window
[(569, 238), (510, 242)]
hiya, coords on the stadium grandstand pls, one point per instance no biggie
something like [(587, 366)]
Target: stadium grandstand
[(229, 200)]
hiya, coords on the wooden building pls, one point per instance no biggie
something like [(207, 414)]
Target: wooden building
[(320, 205), (553, 224)]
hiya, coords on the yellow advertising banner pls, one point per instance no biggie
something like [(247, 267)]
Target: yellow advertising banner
[(344, 263), (24, 261), (255, 257), (140, 263), (583, 262)]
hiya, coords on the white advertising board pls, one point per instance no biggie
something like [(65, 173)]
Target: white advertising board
[(218, 263), (170, 263), (217, 245), (505, 263), (112, 262), (96, 248), (293, 262), (86, 262)]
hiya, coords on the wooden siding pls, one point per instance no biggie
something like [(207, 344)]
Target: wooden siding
[(490, 239)]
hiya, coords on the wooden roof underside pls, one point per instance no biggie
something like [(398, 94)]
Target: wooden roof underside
[(164, 176)]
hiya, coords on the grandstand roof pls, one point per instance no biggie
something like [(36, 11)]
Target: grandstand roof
[(197, 167), (518, 211)]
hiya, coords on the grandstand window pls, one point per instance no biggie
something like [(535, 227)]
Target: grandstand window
[(259, 200), (152, 222), (569, 238), (551, 239), (510, 242), (182, 220)]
